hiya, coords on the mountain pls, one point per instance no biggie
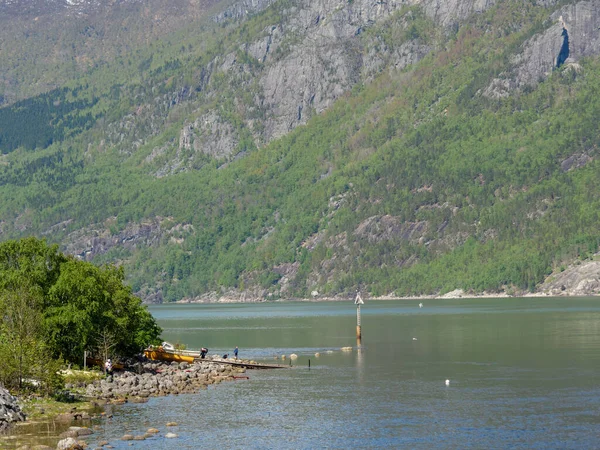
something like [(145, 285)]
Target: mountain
[(263, 149)]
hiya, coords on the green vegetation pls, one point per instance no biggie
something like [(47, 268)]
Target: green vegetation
[(55, 117), (54, 307), (44, 408), (415, 183)]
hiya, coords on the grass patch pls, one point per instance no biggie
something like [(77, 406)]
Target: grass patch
[(44, 408)]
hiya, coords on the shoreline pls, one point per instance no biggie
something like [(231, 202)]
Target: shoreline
[(576, 280), (447, 296), (134, 384)]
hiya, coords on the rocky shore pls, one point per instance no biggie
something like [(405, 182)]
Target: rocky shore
[(151, 379), (9, 410), (136, 383)]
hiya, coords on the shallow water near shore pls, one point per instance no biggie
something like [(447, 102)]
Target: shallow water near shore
[(523, 374)]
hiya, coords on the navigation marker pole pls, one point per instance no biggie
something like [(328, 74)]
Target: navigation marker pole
[(358, 301)]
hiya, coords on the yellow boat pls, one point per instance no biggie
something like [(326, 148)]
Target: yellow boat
[(162, 354)]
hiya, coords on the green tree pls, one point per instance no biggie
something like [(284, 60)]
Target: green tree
[(87, 302), (29, 261), (24, 353), (55, 306)]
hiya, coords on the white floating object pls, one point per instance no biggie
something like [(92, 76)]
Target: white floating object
[(447, 382), (346, 349), (420, 305), (414, 339), (317, 355), (293, 356)]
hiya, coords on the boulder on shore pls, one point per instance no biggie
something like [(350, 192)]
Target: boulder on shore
[(154, 379), (10, 411)]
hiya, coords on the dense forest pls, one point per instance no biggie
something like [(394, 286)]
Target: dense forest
[(51, 114), (54, 308), (413, 182)]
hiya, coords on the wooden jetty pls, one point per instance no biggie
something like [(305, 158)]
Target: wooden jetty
[(246, 364)]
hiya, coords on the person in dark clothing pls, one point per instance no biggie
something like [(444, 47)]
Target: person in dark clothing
[(203, 352), (235, 352)]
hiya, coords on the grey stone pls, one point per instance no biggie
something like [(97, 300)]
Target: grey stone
[(68, 443), (10, 410)]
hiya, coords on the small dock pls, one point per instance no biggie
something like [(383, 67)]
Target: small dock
[(245, 364)]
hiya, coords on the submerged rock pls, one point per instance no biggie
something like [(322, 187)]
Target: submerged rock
[(69, 444)]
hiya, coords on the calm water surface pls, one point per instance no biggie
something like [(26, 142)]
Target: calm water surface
[(523, 374)]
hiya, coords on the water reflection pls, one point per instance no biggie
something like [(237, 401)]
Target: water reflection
[(523, 374), (40, 432), (360, 361)]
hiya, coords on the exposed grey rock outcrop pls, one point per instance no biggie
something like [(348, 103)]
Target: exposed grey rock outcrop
[(574, 29), (242, 8), (329, 57), (209, 134), (309, 59), (380, 228), (576, 280), (97, 240), (10, 411)]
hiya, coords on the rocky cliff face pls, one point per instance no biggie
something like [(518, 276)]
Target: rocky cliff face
[(581, 278), (241, 9), (86, 244), (572, 35), (319, 51), (312, 53), (308, 59)]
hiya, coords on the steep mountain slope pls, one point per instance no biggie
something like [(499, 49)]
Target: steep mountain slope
[(294, 147), (45, 43)]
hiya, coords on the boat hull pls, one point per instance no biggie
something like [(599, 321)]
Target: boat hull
[(158, 355)]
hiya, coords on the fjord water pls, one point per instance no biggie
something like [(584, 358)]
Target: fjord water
[(523, 374)]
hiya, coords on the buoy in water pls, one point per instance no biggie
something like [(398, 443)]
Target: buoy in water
[(447, 382)]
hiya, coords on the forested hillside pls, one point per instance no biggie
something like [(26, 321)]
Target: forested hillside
[(280, 148)]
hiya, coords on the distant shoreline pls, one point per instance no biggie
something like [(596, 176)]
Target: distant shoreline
[(448, 296)]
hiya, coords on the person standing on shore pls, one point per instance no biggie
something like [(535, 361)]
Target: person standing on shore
[(235, 352), (108, 367)]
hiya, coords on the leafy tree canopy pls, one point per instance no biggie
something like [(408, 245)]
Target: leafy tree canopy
[(73, 304)]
